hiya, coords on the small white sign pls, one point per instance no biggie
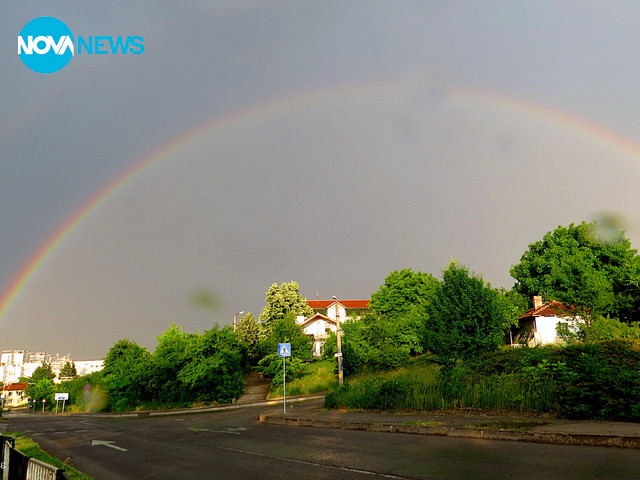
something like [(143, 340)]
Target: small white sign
[(62, 396), (337, 354)]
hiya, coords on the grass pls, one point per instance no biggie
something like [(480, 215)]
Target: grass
[(428, 387), (507, 426), (423, 423), (30, 448), (316, 377)]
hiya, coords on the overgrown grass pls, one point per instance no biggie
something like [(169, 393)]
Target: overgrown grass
[(584, 381), (431, 388), (316, 377), (30, 448)]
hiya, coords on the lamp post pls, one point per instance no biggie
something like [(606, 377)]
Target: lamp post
[(235, 319), (338, 344)]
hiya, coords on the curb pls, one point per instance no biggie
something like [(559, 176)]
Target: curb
[(182, 411), (556, 438)]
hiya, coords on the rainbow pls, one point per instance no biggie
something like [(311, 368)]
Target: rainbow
[(492, 99)]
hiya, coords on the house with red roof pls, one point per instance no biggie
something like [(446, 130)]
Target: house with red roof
[(539, 325), (13, 395), (326, 314)]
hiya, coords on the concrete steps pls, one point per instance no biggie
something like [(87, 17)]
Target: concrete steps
[(256, 389)]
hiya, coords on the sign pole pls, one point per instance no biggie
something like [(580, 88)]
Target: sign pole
[(284, 384), (284, 351)]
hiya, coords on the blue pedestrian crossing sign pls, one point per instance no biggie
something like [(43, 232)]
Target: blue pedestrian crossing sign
[(284, 349)]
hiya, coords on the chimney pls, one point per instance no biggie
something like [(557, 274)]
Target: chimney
[(537, 301)]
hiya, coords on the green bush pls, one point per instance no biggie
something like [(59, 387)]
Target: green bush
[(599, 381), (374, 344), (604, 382), (434, 387)]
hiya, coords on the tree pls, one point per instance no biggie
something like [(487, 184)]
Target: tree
[(68, 370), (466, 317), (43, 388), (175, 348), (375, 343), (403, 292), (250, 333), (284, 299), (43, 372), (285, 330), (577, 266), (125, 367), (213, 371)]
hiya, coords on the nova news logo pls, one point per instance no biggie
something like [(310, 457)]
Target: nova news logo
[(46, 45)]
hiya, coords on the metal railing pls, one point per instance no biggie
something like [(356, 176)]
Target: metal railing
[(15, 465)]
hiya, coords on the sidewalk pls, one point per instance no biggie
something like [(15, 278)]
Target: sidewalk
[(473, 425)]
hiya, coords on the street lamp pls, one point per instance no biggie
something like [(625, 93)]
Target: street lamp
[(235, 319), (338, 344)]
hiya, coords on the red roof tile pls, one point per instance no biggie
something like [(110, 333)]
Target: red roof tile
[(313, 318), (12, 387), (551, 308), (318, 304)]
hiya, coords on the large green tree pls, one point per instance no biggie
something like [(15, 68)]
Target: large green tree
[(43, 388), (466, 316), (125, 368), (175, 348), (283, 299), (213, 370), (42, 372), (577, 266), (374, 343), (403, 292)]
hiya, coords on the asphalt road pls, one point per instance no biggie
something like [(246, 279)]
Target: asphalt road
[(233, 445)]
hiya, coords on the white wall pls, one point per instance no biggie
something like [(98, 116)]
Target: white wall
[(331, 312), (85, 367), (546, 330)]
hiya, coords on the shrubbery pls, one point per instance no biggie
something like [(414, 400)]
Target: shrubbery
[(185, 368), (599, 381)]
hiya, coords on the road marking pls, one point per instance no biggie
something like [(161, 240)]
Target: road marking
[(230, 430), (313, 464), (108, 444), (233, 430)]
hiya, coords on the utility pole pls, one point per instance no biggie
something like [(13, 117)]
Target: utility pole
[(235, 319), (339, 344)]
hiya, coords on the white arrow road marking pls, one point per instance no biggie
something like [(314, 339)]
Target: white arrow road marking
[(108, 444)]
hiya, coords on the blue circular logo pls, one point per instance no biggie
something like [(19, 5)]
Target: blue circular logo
[(45, 45)]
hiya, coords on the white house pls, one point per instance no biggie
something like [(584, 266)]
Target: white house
[(325, 316), (13, 395), (539, 325)]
